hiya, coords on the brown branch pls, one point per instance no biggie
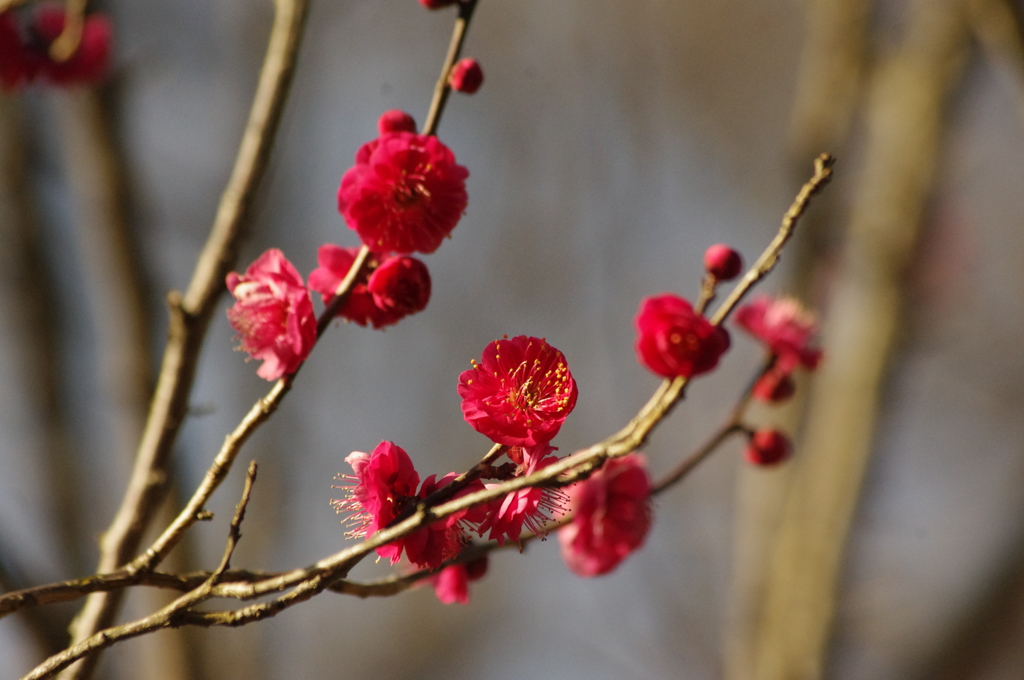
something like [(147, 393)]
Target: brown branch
[(71, 36), (443, 88), (190, 315), (166, 617), (770, 257), (905, 122)]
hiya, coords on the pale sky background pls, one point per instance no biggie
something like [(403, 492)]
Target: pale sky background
[(610, 144)]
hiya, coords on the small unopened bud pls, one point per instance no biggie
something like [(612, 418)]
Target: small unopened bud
[(466, 76), (476, 569), (395, 121), (722, 262), (775, 387), (767, 447), (400, 286)]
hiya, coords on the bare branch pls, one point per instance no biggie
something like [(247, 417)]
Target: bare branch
[(168, 617), (443, 89), (770, 257)]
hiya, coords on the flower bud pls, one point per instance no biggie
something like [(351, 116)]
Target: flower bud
[(437, 4), (722, 262), (477, 569), (400, 286), (767, 447), (774, 387), (395, 121), (466, 76), (674, 341)]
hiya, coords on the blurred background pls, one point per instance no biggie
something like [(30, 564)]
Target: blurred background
[(610, 145)]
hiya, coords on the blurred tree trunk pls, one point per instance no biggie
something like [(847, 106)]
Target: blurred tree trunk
[(34, 314), (787, 602), (118, 286)]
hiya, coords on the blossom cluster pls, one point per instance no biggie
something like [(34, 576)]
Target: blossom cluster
[(25, 48), (675, 341), (404, 194), (518, 395)]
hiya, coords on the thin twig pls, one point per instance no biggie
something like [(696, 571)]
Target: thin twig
[(769, 258), (443, 88), (70, 37), (235, 532), (168, 617), (708, 287)]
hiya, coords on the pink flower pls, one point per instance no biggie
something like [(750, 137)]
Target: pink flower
[(273, 314), (395, 120), (785, 327), (384, 487), (405, 193), (451, 584), (520, 393), (386, 484), (611, 516), (437, 4), (672, 340), (531, 507), (397, 286), (466, 76)]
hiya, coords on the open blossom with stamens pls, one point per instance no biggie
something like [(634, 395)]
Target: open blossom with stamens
[(674, 341), (520, 392), (785, 327), (611, 516), (383, 487), (273, 314), (385, 484), (405, 193), (531, 507)]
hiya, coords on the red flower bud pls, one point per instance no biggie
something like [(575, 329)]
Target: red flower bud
[(466, 76), (767, 447), (672, 340), (774, 386), (476, 569), (395, 121), (722, 262), (400, 286)]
